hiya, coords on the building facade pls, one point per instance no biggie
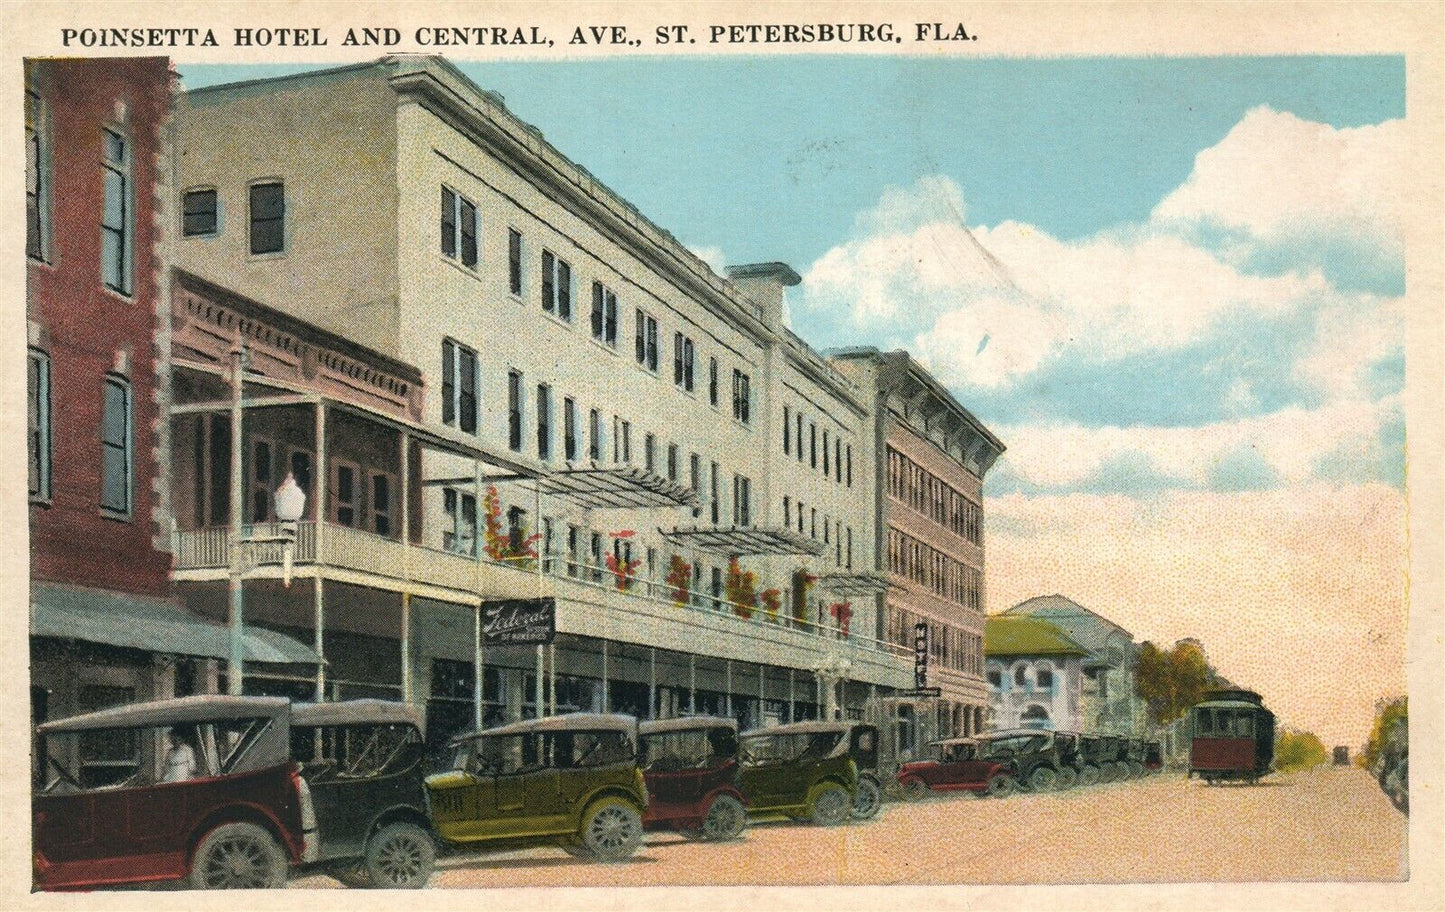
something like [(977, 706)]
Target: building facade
[(506, 383), (1110, 699), (931, 458), (1035, 675)]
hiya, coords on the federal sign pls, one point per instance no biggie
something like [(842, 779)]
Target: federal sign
[(920, 655), (519, 622)]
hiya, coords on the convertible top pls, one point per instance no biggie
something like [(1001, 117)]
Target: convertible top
[(685, 723), (358, 712), (566, 722), (175, 711), (813, 727)]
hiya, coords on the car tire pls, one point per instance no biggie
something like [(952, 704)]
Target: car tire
[(1090, 775), (1002, 786), (1042, 779), (725, 819), (1137, 769), (238, 856), (400, 856), (611, 829), (915, 789), (1068, 778), (831, 805), (868, 800)]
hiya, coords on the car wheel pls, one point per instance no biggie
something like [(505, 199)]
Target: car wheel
[(238, 856), (400, 856), (1068, 778), (1002, 786), (915, 789), (612, 829), (1042, 779), (1137, 769), (1089, 775), (867, 800), (725, 819), (831, 805)]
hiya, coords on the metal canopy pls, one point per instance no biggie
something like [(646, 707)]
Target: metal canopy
[(854, 583), (741, 540), (617, 487)]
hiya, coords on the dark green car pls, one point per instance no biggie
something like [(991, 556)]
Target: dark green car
[(802, 771), (571, 780)]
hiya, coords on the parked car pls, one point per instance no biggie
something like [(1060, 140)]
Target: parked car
[(802, 770), (1103, 759), (363, 760), (1031, 756), (1134, 753), (1071, 758), (571, 780), (690, 766), (958, 767), (1392, 769), (201, 788), (1153, 756), (862, 741)]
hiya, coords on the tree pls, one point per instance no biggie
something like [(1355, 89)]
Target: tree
[(1170, 681), (1298, 750), (1387, 716), (1151, 681)]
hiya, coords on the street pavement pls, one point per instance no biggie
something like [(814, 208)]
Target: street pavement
[(1328, 824)]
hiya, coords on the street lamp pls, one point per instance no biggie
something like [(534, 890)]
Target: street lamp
[(290, 504)]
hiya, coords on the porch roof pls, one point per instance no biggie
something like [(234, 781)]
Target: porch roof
[(741, 540), (854, 584)]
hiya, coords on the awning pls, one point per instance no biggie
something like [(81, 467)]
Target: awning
[(149, 623), (741, 540), (604, 487), (853, 583)]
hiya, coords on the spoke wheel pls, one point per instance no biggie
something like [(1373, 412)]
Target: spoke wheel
[(612, 829), (831, 806), (1042, 779), (867, 801), (400, 856), (1089, 775), (915, 789), (238, 856), (1068, 778), (1001, 786), (725, 819)]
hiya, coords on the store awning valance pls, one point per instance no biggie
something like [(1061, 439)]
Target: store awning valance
[(616, 487), (741, 540), (853, 584), (151, 624)]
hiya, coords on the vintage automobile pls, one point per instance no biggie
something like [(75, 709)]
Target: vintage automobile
[(1104, 760), (1134, 753), (802, 770), (199, 788), (957, 769), (1031, 756), (1392, 768), (1153, 756), (690, 766), (363, 760), (1231, 737), (1071, 758), (571, 780)]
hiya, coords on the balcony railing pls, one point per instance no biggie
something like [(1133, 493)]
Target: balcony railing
[(459, 569)]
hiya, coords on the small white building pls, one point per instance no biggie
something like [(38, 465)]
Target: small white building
[(1035, 674)]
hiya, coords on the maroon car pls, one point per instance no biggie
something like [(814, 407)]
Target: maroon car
[(201, 788), (959, 768), (690, 766)]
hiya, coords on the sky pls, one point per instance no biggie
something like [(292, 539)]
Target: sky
[(1173, 287)]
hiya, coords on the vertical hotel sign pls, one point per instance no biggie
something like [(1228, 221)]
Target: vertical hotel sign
[(920, 655)]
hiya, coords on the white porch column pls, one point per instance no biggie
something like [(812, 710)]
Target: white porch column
[(405, 444), (318, 494), (652, 681), (478, 657)]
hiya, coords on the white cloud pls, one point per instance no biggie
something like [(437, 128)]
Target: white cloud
[(1282, 179), (1292, 591), (714, 257)]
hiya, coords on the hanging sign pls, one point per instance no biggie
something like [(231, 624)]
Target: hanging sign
[(920, 655), (519, 622)]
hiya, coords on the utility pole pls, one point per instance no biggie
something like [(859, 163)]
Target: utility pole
[(236, 663)]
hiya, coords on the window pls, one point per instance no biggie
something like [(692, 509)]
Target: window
[(826, 461), (1021, 676), (813, 523), (800, 437), (569, 428), (345, 496), (625, 435), (787, 432), (37, 183), (596, 558), (712, 382), (574, 544), (742, 396), (594, 435), (647, 341), (556, 286), (604, 314), (849, 453), (837, 460), (461, 512), (514, 410), (514, 261), (459, 386), (38, 422), (459, 228), (268, 217), (672, 462), (741, 513), (1044, 675), (115, 219), (544, 421), (381, 503), (198, 213), (850, 547), (694, 481), (682, 356), (116, 446), (787, 512), (649, 453), (714, 495)]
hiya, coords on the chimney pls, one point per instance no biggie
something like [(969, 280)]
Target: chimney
[(764, 284)]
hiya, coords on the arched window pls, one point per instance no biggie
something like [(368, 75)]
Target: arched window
[(1044, 676), (995, 679), (1021, 675), (1034, 716)]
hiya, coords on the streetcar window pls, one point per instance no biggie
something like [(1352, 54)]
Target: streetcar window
[(1243, 725), (1204, 722)]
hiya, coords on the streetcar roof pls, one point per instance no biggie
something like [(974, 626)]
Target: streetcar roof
[(1230, 704)]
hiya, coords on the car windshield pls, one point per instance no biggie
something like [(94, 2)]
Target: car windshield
[(355, 751), (958, 753), (1009, 747), (148, 755), (696, 748)]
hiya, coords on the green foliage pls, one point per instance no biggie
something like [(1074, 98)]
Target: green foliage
[(1170, 681), (1298, 750), (1386, 716)]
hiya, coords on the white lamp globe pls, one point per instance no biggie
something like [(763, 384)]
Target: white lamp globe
[(290, 500)]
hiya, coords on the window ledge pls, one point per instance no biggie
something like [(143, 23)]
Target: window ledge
[(117, 515), (262, 257), (565, 324)]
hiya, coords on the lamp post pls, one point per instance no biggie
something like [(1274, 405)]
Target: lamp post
[(289, 502)]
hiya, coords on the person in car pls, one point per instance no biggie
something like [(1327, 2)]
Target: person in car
[(180, 759)]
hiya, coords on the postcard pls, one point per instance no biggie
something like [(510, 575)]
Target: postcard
[(720, 454)]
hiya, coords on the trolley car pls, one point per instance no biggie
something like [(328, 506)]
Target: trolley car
[(1231, 737)]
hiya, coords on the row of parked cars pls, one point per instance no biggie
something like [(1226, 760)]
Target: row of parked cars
[(232, 792)]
